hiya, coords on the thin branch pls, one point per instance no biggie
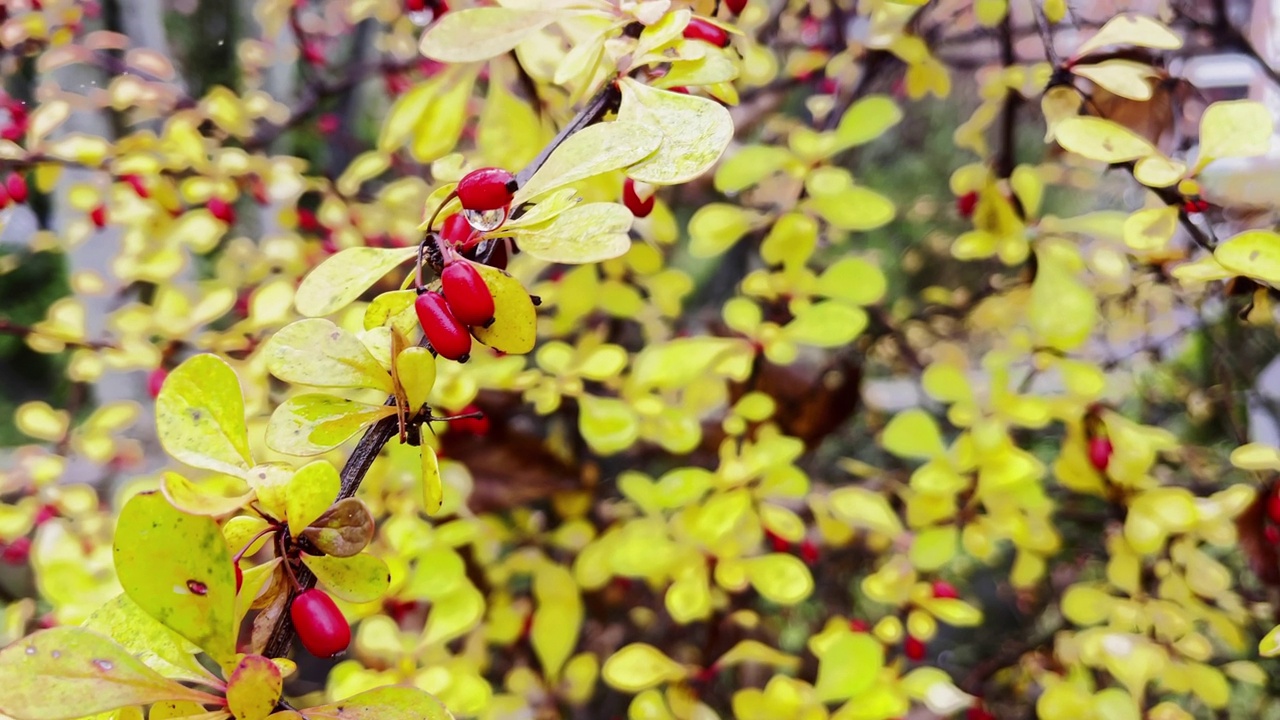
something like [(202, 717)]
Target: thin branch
[(8, 327)]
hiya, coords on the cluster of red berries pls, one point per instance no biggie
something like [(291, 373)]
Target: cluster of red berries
[(13, 189)]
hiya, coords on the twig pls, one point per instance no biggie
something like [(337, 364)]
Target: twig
[(8, 327)]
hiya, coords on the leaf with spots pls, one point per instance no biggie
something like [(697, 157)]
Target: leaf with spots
[(357, 579), (317, 352), (314, 423), (253, 689), (385, 703), (160, 648), (221, 496), (177, 568), (695, 132), (70, 672), (200, 416), (515, 318)]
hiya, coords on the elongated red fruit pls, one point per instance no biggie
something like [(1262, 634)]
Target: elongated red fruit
[(631, 197), (1100, 453), (456, 230), (16, 185), (467, 294), (486, 189), (736, 6), (699, 29), (449, 338), (320, 625)]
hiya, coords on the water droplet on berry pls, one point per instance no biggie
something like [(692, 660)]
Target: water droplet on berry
[(486, 220)]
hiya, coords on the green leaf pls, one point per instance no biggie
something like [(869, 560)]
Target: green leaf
[(344, 276), (253, 688), (780, 578), (826, 324), (317, 352), (474, 34), (583, 234), (309, 493), (853, 280), (1235, 128), (312, 424), (953, 611), (432, 483), (716, 227), (202, 499), (1253, 253), (1098, 139), (69, 672), (558, 619), (695, 132), (515, 318), (866, 120), (144, 637), (848, 666), (640, 666), (791, 241), (177, 568), (200, 416), (607, 424), (750, 165), (853, 208), (596, 150), (357, 579), (865, 509), (913, 433), (453, 614)]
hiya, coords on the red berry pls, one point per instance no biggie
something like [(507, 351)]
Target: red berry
[(98, 216), (4, 196), (447, 336), (809, 551), (736, 6), (978, 712), (472, 425), (155, 381), (222, 210), (45, 514), (699, 29), (16, 185), (456, 230), (1100, 453), (1272, 534), (239, 576), (1202, 205), (320, 625), (944, 590), (967, 203), (1189, 207), (16, 552), (139, 188), (631, 198), (467, 294), (313, 53), (859, 625), (1273, 506), (486, 189), (913, 648), (679, 89), (415, 5), (778, 543)]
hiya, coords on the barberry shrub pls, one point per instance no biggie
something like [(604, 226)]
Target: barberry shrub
[(664, 359)]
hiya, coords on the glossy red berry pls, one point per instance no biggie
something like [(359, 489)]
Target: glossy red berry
[(155, 381), (699, 29), (447, 336), (16, 186), (638, 197), (1100, 453), (777, 542), (222, 210), (736, 6), (320, 625), (944, 590), (139, 187), (966, 204), (809, 551), (44, 515), (4, 197), (679, 89), (98, 216), (467, 294), (415, 5), (456, 230), (470, 425), (913, 648), (16, 552), (978, 712), (486, 189), (239, 577), (1273, 506), (859, 626), (1271, 534)]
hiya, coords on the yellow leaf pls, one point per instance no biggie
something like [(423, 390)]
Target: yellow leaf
[(474, 34), (639, 666), (253, 688), (226, 110), (1269, 646), (1061, 310), (1151, 229), (205, 498), (780, 578), (1158, 171), (1131, 29), (360, 578), (1103, 140), (913, 433), (596, 150), (754, 651), (439, 129), (695, 132), (934, 547), (1253, 253), (364, 167), (1085, 605), (405, 115), (608, 425), (716, 227), (1126, 78), (416, 371), (848, 666), (1256, 456), (1058, 104), (867, 509), (39, 420), (311, 490), (454, 614), (317, 352), (314, 423), (866, 120), (826, 324), (558, 619), (384, 703), (515, 318), (953, 611), (749, 166), (1235, 128), (588, 233), (344, 276), (853, 208), (432, 484), (200, 416), (147, 639)]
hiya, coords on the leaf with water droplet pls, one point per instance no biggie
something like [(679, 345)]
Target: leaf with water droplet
[(177, 568), (253, 688), (385, 703), (200, 416), (70, 672), (314, 423)]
